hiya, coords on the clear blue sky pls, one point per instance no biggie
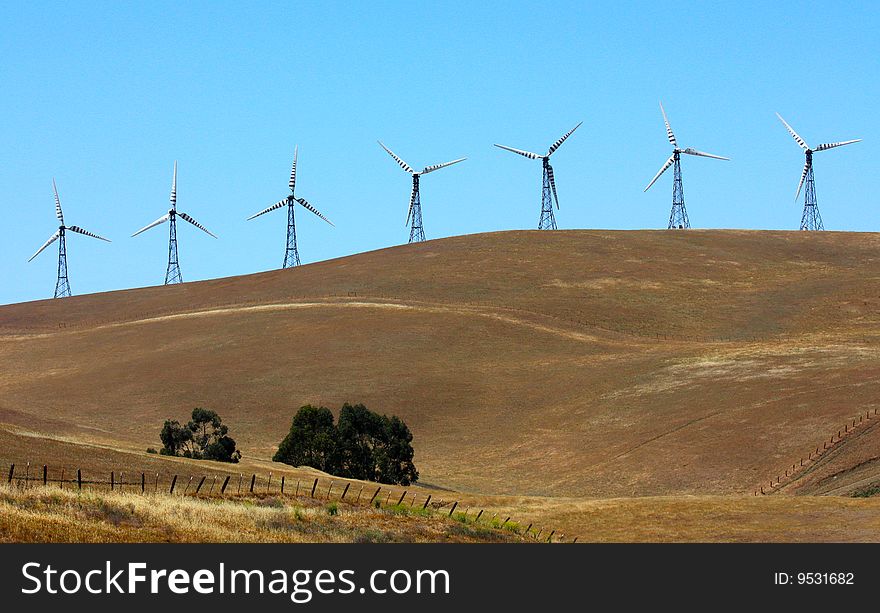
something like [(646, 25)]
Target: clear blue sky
[(104, 96)]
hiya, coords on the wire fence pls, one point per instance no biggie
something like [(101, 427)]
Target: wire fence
[(808, 462), (241, 485)]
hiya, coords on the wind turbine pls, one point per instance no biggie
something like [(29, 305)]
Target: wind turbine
[(62, 286), (810, 219), (678, 217), (291, 254), (547, 220), (416, 232), (172, 273)]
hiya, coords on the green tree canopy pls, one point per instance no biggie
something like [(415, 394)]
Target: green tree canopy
[(204, 437), (311, 440), (363, 445)]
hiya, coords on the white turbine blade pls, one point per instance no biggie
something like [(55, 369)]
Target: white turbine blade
[(87, 233), (556, 145), (803, 176), (402, 164), (690, 151), (292, 182), (825, 146), (308, 206), (174, 187), (277, 205), (669, 133), (162, 219), (791, 131), (662, 170), (439, 166), (552, 183), (51, 240), (528, 154), (58, 213), (196, 224)]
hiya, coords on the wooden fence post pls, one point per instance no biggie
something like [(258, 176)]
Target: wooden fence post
[(156, 489), (527, 529), (329, 489), (173, 482), (388, 498), (504, 523), (269, 482), (282, 484), (199, 486), (253, 482), (378, 489), (188, 483), (79, 478), (112, 481), (361, 491), (480, 514), (550, 538), (11, 472), (45, 475), (225, 483), (239, 482), (575, 540), (143, 483), (454, 504), (61, 484), (345, 491), (402, 496), (427, 500), (297, 488), (213, 483), (27, 474)]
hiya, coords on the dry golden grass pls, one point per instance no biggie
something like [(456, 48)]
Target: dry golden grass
[(582, 364), (40, 514)]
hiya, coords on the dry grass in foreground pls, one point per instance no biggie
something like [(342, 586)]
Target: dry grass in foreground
[(51, 515)]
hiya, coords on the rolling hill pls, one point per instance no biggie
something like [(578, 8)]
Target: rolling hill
[(580, 364)]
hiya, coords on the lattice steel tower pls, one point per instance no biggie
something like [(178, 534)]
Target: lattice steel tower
[(291, 253), (678, 217), (172, 272), (414, 213), (62, 284), (416, 231), (547, 221), (810, 218)]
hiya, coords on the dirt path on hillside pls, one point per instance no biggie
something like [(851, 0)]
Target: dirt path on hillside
[(549, 326)]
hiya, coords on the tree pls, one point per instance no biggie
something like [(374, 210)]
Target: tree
[(358, 434), (394, 455), (203, 437), (174, 438), (311, 440), (363, 445)]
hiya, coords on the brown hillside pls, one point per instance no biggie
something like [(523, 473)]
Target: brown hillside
[(577, 363)]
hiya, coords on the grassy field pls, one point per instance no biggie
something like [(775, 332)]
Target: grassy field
[(42, 514), (574, 365)]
